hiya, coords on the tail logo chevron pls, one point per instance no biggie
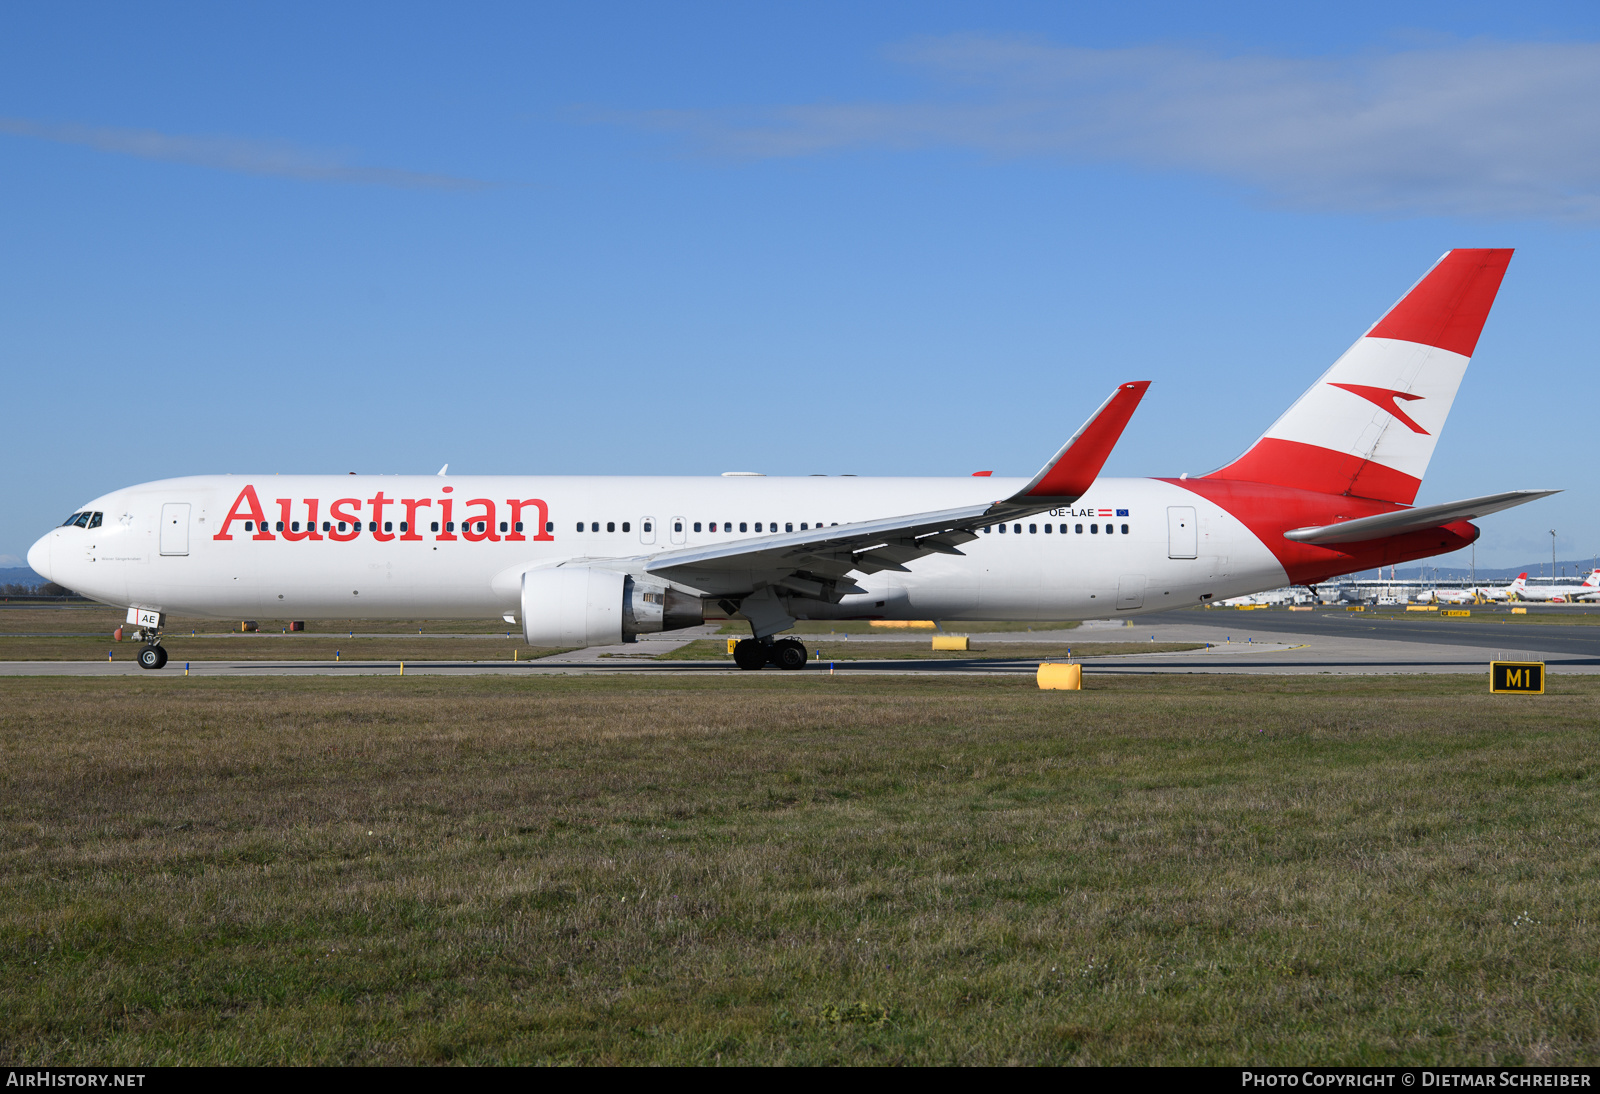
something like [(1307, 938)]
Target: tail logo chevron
[(1384, 399)]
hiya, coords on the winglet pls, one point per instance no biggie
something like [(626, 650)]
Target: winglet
[(1071, 471)]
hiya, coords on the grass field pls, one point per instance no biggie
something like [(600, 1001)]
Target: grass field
[(99, 621), (711, 649), (299, 647), (798, 868)]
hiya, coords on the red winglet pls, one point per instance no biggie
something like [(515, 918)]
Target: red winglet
[(1078, 464), (1447, 308)]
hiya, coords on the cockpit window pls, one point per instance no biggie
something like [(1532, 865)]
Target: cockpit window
[(70, 521), (83, 520), (94, 520)]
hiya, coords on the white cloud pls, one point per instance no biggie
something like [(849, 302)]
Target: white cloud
[(231, 154), (9, 562), (1476, 128)]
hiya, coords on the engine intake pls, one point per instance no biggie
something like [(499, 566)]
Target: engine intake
[(586, 606)]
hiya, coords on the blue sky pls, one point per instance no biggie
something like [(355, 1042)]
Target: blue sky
[(890, 239)]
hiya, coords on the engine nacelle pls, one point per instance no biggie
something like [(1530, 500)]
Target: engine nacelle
[(586, 606)]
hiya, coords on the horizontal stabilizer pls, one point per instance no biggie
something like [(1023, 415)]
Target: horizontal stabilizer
[(1071, 472), (1413, 520)]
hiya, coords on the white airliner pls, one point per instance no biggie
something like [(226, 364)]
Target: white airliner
[(1476, 593), (1327, 490), (1562, 594)]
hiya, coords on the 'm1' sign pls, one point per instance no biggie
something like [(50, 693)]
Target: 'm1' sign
[(1516, 677)]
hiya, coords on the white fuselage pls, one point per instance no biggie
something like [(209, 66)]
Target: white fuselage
[(157, 545)]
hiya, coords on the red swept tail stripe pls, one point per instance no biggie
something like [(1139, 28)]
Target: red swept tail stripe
[(1448, 307), (1321, 470)]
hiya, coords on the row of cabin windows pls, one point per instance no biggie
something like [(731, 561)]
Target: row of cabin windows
[(700, 526), (92, 520), (468, 526), (83, 520), (388, 526), (1094, 529)]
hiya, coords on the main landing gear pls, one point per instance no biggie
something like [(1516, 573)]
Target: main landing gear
[(786, 653)]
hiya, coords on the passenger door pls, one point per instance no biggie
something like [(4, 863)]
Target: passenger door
[(1183, 536), (175, 528)]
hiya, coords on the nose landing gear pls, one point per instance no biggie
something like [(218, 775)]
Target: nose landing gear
[(152, 657), (786, 653)]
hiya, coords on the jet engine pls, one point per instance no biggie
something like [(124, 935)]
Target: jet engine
[(586, 606)]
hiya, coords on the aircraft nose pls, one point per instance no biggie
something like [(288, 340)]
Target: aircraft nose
[(39, 557)]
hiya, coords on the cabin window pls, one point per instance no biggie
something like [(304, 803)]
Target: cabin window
[(341, 526), (1124, 529), (758, 526), (372, 526), (787, 527), (249, 526), (580, 526), (1033, 529), (449, 526), (677, 526), (432, 527), (326, 526), (405, 526), (278, 526), (712, 526), (294, 526), (745, 528), (1094, 529), (1002, 529), (1078, 528), (1017, 528), (984, 530), (803, 526), (647, 526), (696, 526), (549, 526), (626, 526), (611, 526), (505, 527), (1047, 529)]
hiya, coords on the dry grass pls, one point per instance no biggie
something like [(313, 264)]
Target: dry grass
[(798, 868), (99, 621), (840, 650), (272, 647)]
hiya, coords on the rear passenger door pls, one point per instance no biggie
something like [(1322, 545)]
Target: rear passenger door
[(1183, 537)]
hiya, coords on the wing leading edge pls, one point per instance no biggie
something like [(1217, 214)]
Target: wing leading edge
[(818, 563)]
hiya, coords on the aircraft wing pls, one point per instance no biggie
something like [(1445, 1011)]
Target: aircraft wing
[(817, 563), (1413, 520)]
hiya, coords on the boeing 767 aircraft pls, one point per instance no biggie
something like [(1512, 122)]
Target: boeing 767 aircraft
[(1327, 490)]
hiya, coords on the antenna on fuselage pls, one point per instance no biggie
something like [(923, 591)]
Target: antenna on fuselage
[(443, 469)]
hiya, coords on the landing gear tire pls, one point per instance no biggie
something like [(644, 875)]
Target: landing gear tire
[(749, 654), (152, 657), (787, 653)]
